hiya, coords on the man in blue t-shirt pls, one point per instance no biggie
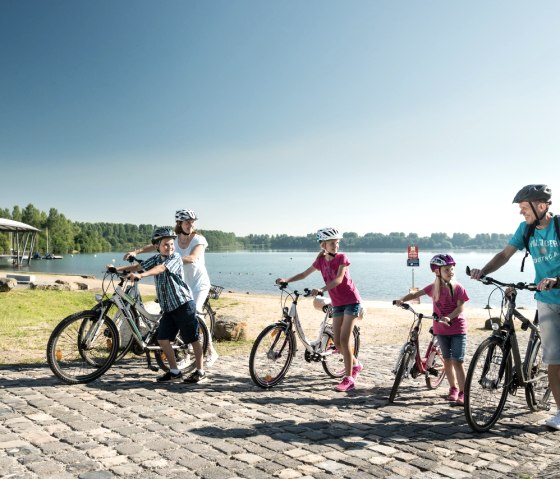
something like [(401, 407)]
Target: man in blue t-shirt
[(543, 245)]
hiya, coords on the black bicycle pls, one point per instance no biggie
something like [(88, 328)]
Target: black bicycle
[(497, 369)]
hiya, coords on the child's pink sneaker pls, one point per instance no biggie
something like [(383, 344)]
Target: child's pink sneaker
[(357, 369), (453, 394), (460, 399), (346, 384)]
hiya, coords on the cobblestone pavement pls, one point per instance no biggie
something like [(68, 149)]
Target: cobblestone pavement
[(126, 425)]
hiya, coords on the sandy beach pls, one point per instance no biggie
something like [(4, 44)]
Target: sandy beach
[(383, 323)]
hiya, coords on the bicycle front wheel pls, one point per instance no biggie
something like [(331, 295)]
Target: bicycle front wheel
[(435, 370), (333, 362), (486, 385), (82, 347), (271, 355), (184, 353), (537, 391), (402, 366)]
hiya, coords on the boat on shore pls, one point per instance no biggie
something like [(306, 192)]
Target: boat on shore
[(52, 256)]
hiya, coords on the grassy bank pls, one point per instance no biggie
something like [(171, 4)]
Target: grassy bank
[(27, 318)]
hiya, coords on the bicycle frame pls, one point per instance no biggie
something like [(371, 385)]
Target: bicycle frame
[(507, 333)]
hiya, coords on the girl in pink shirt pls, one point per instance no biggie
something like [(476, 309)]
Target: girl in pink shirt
[(345, 299), (448, 298)]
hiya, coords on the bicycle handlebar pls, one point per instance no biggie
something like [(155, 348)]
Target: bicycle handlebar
[(488, 280), (306, 291), (433, 316)]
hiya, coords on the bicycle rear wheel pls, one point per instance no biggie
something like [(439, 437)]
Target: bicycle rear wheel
[(82, 347), (184, 354), (403, 362), (209, 317), (486, 385), (435, 370), (271, 355), (537, 391), (333, 362)]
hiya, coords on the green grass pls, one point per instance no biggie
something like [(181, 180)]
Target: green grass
[(27, 318)]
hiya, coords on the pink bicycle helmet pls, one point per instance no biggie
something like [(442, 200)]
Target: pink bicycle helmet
[(440, 260)]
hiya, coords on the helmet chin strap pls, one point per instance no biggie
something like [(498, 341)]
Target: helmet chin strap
[(538, 220), (331, 254)]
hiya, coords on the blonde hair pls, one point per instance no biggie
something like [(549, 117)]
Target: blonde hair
[(436, 292)]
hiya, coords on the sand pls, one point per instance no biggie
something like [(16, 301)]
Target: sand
[(384, 324)]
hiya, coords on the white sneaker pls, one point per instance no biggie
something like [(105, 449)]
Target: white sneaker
[(211, 359), (554, 421)]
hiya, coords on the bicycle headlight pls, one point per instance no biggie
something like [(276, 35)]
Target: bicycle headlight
[(495, 326)]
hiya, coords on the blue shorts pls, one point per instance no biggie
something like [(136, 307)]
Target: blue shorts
[(182, 319), (549, 323), (347, 310), (453, 346)]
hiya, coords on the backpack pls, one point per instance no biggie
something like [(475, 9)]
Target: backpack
[(530, 231)]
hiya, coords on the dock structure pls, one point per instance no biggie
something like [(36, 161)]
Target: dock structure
[(22, 241)]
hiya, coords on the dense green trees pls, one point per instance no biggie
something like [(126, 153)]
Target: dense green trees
[(65, 236)]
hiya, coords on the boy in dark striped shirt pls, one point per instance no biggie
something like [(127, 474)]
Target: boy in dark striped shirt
[(176, 301)]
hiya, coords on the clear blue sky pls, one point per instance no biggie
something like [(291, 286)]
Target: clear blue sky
[(280, 117)]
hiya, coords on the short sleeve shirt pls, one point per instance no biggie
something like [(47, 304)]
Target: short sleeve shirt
[(171, 289), (545, 251), (346, 292), (445, 305)]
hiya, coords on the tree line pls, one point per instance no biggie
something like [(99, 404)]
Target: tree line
[(66, 236)]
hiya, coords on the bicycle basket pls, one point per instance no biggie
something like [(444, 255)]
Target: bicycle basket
[(215, 291)]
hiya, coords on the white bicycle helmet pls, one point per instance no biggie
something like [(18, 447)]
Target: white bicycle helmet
[(185, 215), (325, 234)]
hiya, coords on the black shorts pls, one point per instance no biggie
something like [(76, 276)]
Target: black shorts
[(182, 319)]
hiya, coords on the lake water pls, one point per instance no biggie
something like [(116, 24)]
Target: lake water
[(379, 276)]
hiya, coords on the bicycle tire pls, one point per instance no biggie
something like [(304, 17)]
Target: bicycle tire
[(485, 391), (537, 393), (184, 356), (435, 369), (333, 362), (70, 359), (405, 357), (271, 355), (209, 317)]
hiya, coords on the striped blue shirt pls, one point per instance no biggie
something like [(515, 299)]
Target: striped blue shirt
[(172, 291)]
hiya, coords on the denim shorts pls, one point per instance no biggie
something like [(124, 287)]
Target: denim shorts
[(347, 310), (453, 346), (182, 319), (549, 323)]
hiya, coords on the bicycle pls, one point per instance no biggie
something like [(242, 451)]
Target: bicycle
[(411, 363), (84, 345), (496, 368), (275, 347)]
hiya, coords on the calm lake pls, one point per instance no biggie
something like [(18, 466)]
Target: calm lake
[(379, 276)]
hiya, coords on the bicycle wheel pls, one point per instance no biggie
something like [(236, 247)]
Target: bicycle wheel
[(209, 317), (82, 347), (486, 385), (184, 354), (435, 370), (333, 362), (271, 355), (402, 366), (537, 391)]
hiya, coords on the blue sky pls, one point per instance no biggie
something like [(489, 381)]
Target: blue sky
[(280, 117)]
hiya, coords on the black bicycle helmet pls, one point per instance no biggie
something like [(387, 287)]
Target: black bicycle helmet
[(161, 233), (533, 193)]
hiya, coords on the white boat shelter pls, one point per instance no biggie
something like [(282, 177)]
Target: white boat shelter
[(23, 240)]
